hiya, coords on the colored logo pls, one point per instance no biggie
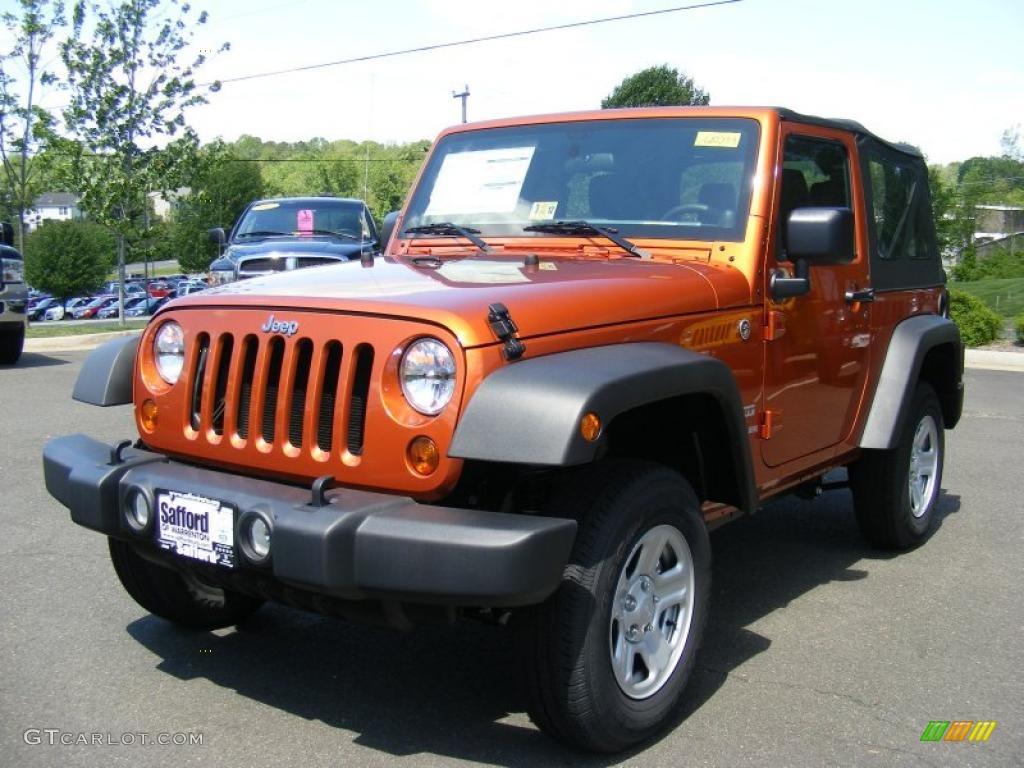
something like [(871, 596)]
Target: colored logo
[(958, 730)]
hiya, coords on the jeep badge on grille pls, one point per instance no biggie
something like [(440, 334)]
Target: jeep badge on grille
[(287, 327)]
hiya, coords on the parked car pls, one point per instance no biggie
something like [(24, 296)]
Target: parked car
[(130, 287), (111, 310), (145, 307), (594, 337), (58, 311), (13, 298), (158, 288), (288, 233), (185, 287), (88, 311), (37, 310)]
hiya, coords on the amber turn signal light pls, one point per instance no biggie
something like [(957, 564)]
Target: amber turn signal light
[(590, 427), (148, 415), (423, 455)]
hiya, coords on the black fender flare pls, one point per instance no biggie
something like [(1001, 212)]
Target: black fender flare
[(529, 412), (106, 375), (910, 344)]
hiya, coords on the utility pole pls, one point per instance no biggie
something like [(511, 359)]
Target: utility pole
[(464, 95)]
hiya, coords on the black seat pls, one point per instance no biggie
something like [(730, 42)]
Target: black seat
[(794, 192), (829, 193)]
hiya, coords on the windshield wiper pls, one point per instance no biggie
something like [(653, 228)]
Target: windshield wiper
[(331, 232), (447, 229), (262, 233), (581, 227)]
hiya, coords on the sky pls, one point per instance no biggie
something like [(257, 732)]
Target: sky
[(945, 76)]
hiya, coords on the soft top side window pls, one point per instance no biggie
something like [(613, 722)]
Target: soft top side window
[(904, 252)]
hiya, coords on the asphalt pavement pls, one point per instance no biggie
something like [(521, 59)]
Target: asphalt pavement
[(819, 650)]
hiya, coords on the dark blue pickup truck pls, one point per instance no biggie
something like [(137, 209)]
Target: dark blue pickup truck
[(287, 233)]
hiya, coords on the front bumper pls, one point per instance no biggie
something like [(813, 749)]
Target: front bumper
[(12, 308), (360, 545)]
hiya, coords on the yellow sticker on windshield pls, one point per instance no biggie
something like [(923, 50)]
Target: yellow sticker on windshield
[(543, 211), (264, 206), (726, 139)]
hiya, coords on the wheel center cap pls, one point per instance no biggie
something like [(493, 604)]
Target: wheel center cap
[(641, 602)]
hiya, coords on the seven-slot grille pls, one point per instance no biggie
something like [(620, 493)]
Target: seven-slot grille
[(291, 391)]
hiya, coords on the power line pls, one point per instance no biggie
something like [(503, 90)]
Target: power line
[(470, 41)]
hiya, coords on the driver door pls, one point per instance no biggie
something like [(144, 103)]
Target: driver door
[(816, 361)]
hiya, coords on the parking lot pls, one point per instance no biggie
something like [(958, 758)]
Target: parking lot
[(819, 650)]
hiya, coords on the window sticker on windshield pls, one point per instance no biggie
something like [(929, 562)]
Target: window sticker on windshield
[(265, 206), (724, 139), (548, 266), (543, 211), (484, 181), (304, 220)]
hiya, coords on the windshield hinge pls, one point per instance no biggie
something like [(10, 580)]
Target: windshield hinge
[(505, 328)]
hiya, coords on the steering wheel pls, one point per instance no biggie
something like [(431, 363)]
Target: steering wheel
[(677, 211)]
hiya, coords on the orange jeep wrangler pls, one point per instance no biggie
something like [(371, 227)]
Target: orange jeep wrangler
[(590, 338)]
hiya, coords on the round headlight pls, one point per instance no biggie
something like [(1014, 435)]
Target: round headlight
[(427, 373), (169, 351)]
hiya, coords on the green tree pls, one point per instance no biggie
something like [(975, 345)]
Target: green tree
[(68, 258), (23, 123), (227, 185), (128, 91), (660, 86), (944, 211)]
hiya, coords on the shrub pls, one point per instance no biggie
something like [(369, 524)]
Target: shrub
[(978, 324), (1018, 325)]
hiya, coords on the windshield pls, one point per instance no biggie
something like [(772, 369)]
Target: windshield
[(344, 218), (684, 178)]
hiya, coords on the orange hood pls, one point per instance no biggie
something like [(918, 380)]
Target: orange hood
[(557, 295)]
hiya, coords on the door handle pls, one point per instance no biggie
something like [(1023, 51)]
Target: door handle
[(862, 295)]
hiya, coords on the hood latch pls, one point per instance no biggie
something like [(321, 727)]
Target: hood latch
[(505, 328)]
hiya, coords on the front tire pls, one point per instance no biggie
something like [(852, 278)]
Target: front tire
[(12, 341), (608, 655), (185, 601), (895, 491)]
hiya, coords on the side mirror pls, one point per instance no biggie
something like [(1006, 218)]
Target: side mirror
[(820, 235), (217, 236), (387, 229), (6, 234), (814, 236)]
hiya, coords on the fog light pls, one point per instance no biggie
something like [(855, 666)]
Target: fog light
[(138, 512), (259, 537), (423, 455), (148, 415), (590, 427), (255, 534)]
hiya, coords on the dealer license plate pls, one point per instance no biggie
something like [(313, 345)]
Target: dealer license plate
[(196, 527)]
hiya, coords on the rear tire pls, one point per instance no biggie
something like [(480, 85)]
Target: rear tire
[(179, 599), (607, 657), (895, 491), (12, 341)]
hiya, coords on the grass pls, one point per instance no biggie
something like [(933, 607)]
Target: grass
[(1004, 296), (61, 329)]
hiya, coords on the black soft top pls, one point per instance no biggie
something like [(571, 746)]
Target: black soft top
[(846, 125)]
